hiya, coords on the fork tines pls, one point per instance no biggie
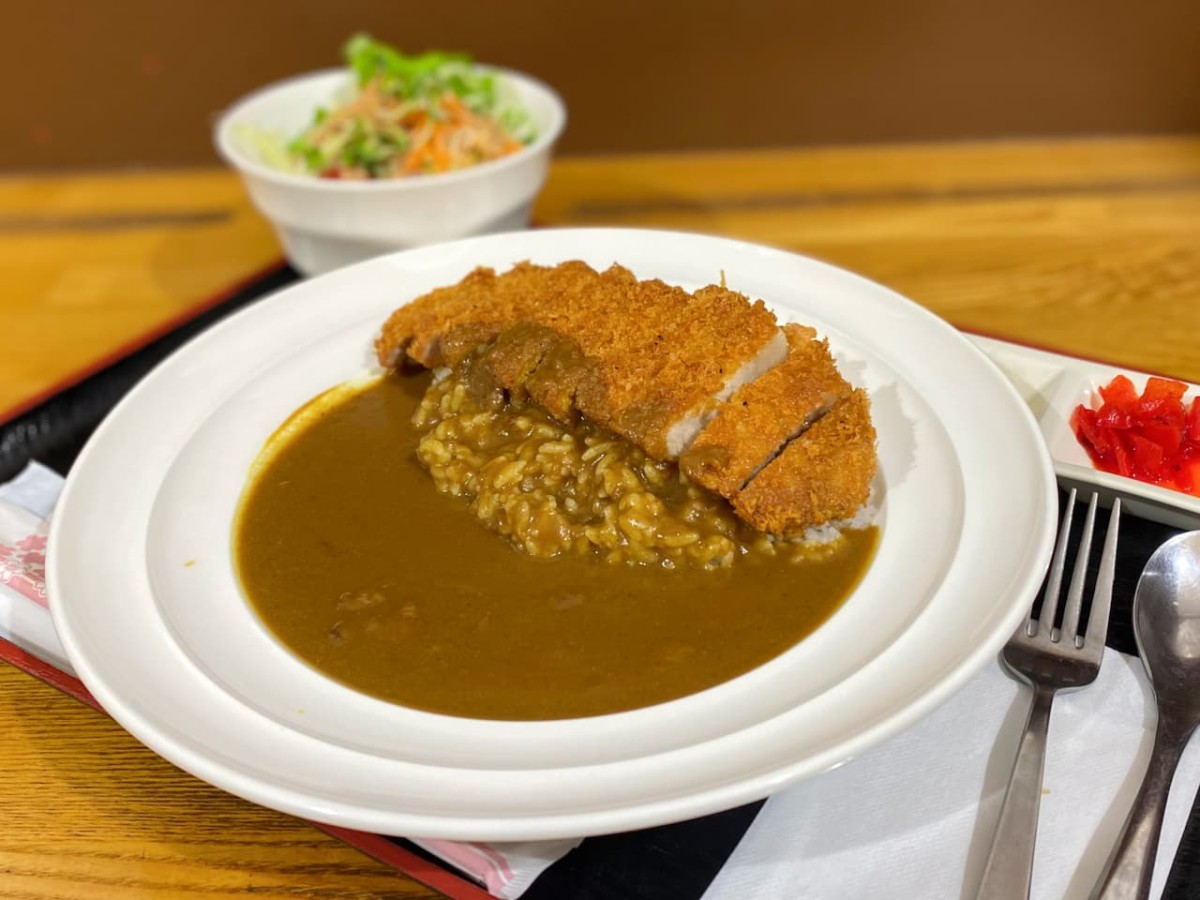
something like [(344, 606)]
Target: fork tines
[(1097, 626)]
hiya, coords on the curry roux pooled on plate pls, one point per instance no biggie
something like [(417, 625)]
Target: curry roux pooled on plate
[(358, 564), (755, 413)]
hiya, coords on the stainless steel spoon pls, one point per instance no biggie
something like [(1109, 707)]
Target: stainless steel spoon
[(1166, 623)]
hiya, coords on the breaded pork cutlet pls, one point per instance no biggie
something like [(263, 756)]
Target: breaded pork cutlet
[(659, 359), (760, 414), (822, 476), (759, 420), (721, 342)]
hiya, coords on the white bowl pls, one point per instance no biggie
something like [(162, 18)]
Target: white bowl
[(325, 223)]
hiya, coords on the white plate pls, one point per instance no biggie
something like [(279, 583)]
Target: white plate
[(1053, 385), (145, 601)]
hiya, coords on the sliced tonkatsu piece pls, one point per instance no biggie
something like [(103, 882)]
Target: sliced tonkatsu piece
[(586, 320), (822, 476), (524, 293), (483, 300), (619, 326), (434, 309), (760, 418), (723, 341), (668, 364)]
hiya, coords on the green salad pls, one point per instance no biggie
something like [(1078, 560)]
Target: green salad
[(408, 115)]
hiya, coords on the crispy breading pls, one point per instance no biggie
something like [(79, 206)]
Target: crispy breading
[(620, 323), (669, 359), (439, 306), (524, 293), (822, 476), (483, 300), (720, 340), (757, 421)]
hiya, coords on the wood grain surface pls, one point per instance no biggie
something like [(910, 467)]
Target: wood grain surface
[(90, 814), (95, 264), (1092, 247)]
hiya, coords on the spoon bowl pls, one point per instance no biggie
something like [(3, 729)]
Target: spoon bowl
[(1166, 621)]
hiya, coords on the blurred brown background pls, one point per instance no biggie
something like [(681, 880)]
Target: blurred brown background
[(137, 82)]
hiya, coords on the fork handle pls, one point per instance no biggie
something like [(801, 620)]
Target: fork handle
[(1129, 869), (1010, 862)]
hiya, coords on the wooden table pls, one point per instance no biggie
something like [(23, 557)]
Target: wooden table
[(1089, 247)]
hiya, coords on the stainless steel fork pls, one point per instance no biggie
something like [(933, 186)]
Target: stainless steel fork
[(1048, 659)]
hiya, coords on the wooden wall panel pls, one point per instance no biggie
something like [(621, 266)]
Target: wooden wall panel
[(132, 82)]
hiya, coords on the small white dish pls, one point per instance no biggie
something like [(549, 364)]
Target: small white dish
[(1053, 384), (324, 224), (147, 606)]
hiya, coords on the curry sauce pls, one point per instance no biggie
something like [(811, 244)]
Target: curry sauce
[(355, 562)]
